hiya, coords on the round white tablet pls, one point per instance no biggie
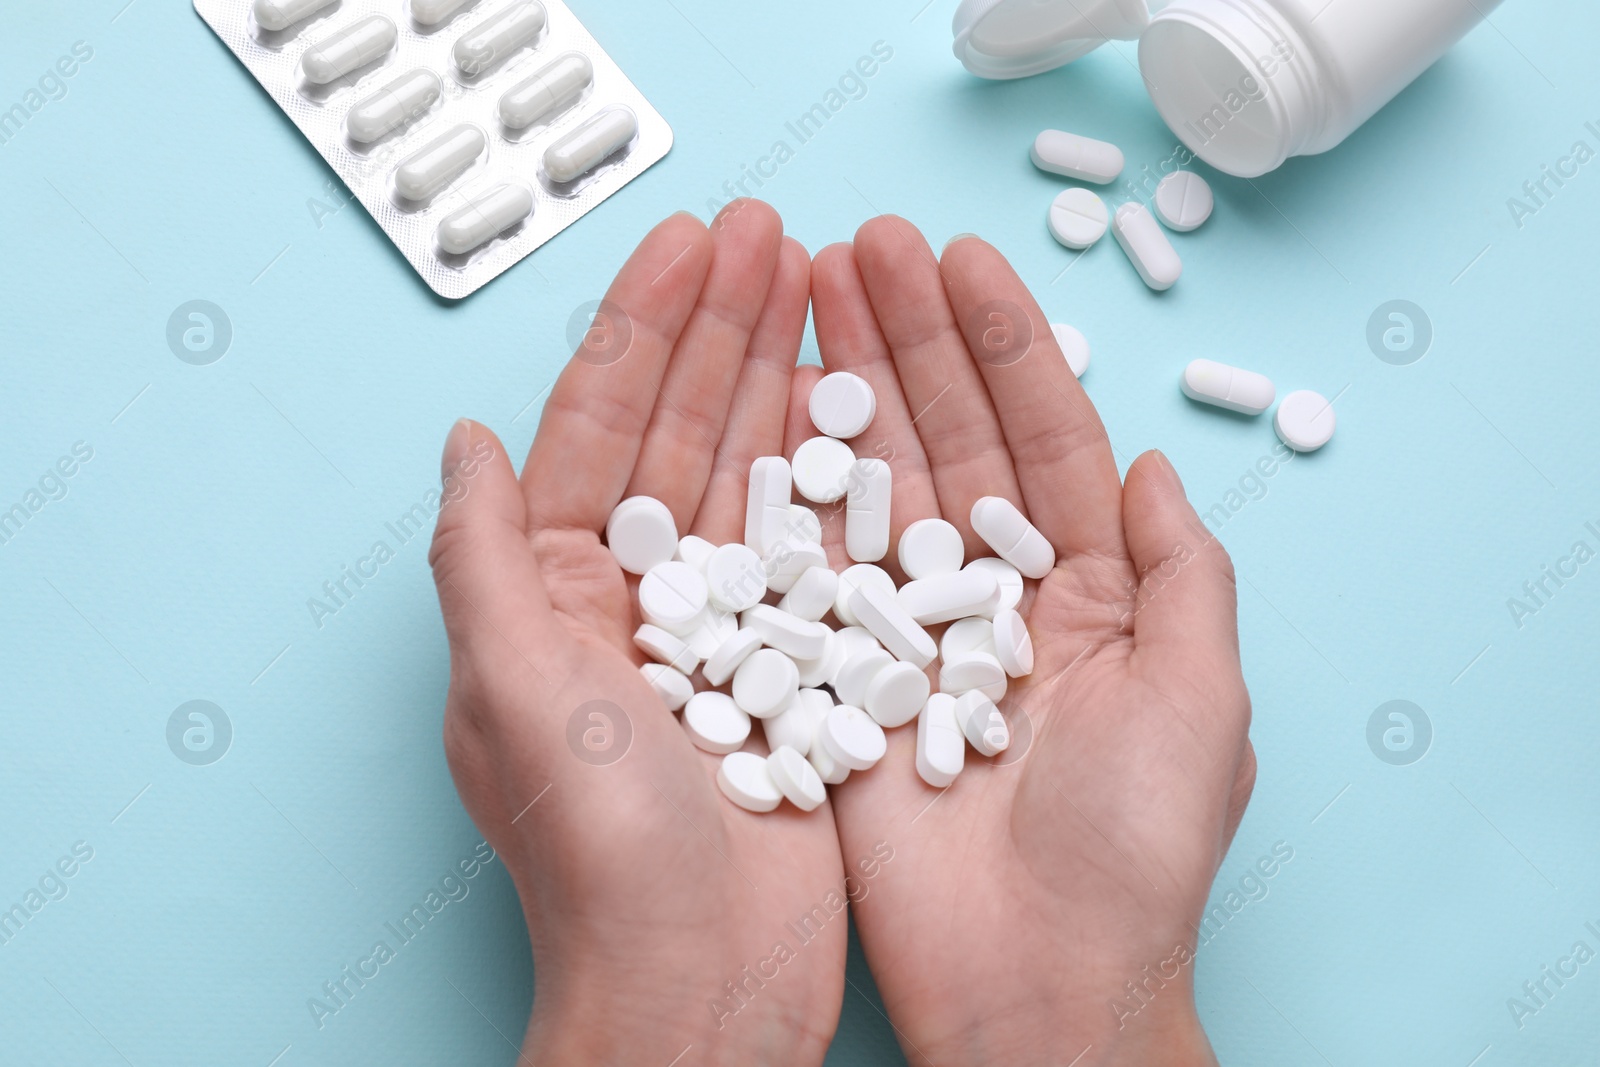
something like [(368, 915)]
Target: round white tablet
[(1078, 218), (1304, 420), (789, 560), (640, 534), (812, 594), (967, 635), (974, 671), (713, 628), (735, 578), (1008, 577), (803, 525), (721, 664), (796, 779), (830, 770), (714, 722), (852, 738), (846, 643), (1073, 345), (929, 547), (765, 682), (854, 577), (672, 595), (821, 469), (817, 671), (842, 404), (695, 551), (857, 673), (1183, 200), (793, 726), (896, 694), (670, 684), (1013, 645), (667, 648), (744, 779)]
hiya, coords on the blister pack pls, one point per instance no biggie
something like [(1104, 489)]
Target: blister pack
[(473, 131)]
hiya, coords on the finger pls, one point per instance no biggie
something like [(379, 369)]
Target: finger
[(1244, 784), (756, 419), (592, 425), (849, 338), (1059, 446), (954, 418), (1184, 609), (687, 425), (495, 610)]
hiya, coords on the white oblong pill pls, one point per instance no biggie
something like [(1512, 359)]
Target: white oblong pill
[(1148, 249), (714, 723), (852, 738), (640, 534), (1074, 346), (671, 685), (765, 682), (486, 216), (853, 578), (982, 724), (431, 167), (842, 404), (672, 595), (766, 508), (1305, 420), (433, 12), (796, 779), (1183, 200), (866, 511), (795, 637), (789, 560), (392, 106), (726, 659), (586, 147), (830, 770), (1013, 644), (976, 671), (348, 50), (496, 37), (550, 90), (695, 551), (712, 630), (745, 780), (812, 594), (1077, 218), (860, 667), (947, 597), (965, 636), (1084, 158), (882, 614), (941, 747), (664, 647), (1233, 388), (930, 547), (281, 14), (735, 578), (1014, 539), (822, 469), (803, 524), (817, 671), (793, 726), (896, 694), (1007, 576)]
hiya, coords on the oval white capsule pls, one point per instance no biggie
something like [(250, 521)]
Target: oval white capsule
[(553, 88), (350, 49), (587, 146), (1233, 388), (1014, 539), (1084, 158), (497, 36), (431, 167), (487, 216), (1152, 255), (281, 14), (433, 12), (392, 106)]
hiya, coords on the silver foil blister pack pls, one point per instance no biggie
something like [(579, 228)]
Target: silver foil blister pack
[(473, 131)]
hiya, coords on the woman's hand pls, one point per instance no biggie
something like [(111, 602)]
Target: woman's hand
[(653, 904), (1042, 909)]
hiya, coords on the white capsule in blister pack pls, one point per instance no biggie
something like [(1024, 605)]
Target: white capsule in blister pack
[(473, 131)]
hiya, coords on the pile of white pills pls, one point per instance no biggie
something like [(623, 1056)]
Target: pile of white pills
[(827, 661)]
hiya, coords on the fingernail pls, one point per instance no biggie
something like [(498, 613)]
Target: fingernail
[(1166, 466), (953, 240), (455, 446)]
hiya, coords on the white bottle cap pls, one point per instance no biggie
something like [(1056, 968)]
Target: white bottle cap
[(1018, 38)]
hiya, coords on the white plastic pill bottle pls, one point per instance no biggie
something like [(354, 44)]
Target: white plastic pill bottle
[(1244, 84)]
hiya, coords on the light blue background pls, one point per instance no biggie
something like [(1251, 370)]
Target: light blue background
[(220, 498)]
